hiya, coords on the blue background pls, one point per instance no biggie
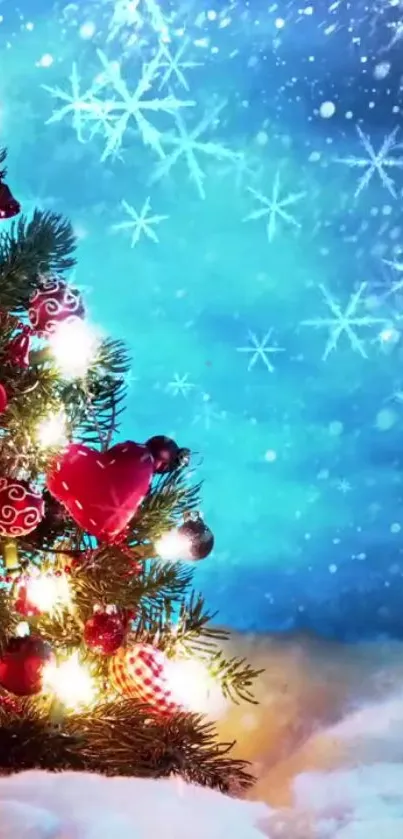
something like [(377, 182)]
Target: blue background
[(302, 464)]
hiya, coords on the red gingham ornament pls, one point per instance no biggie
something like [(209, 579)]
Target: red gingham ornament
[(21, 508), (140, 672), (52, 303)]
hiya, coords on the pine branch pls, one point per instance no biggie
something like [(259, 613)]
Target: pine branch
[(44, 244), (109, 578), (167, 501), (97, 405), (235, 676), (8, 620), (3, 158), (120, 738)]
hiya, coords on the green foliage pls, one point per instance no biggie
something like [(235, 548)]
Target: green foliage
[(147, 746)]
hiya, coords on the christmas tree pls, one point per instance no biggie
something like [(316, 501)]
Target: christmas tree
[(108, 658)]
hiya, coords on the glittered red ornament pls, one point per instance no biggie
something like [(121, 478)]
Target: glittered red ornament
[(102, 491), (52, 303), (22, 603), (104, 633), (140, 672), (22, 665), (19, 347), (199, 538), (167, 454), (21, 508), (3, 399), (9, 206)]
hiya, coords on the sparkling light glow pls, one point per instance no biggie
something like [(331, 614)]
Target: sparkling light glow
[(51, 431), (193, 688), (173, 545), (74, 346), (46, 591), (71, 683), (22, 629)]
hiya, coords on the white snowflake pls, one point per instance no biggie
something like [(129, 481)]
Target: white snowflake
[(180, 385), (82, 106), (375, 162), (139, 223), (344, 321), (208, 414), (108, 106), (174, 66), (132, 15), (260, 349), (274, 207), (187, 144)]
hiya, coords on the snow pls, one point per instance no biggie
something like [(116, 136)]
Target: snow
[(39, 805)]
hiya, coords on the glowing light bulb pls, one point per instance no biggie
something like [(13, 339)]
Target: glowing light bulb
[(74, 345), (173, 545), (71, 683), (193, 688), (51, 431), (46, 592), (22, 629)]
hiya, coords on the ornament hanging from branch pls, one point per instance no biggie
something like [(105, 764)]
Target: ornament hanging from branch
[(9, 206), (167, 455), (18, 348), (22, 665), (53, 303), (21, 508), (105, 631), (102, 491), (140, 672)]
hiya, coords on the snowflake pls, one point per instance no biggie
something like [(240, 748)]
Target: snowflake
[(187, 143), (208, 415), (139, 222), (180, 385), (260, 349), (344, 321), (112, 115), (375, 161), (343, 486), (173, 65), (274, 207), (133, 15), (82, 106)]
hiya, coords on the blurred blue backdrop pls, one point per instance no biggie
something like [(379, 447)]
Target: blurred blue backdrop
[(256, 152)]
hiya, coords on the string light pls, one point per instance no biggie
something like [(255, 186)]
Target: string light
[(173, 545), (22, 629), (74, 346), (193, 687), (52, 432), (47, 592), (71, 683)]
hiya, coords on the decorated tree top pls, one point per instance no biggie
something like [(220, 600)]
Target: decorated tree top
[(108, 659)]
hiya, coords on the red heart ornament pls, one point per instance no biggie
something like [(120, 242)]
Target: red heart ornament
[(102, 490)]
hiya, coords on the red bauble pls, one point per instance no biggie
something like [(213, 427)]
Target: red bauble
[(52, 303), (3, 399), (104, 633), (21, 508), (19, 347), (199, 538), (167, 454), (9, 207), (140, 672), (102, 491), (22, 664), (22, 603)]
